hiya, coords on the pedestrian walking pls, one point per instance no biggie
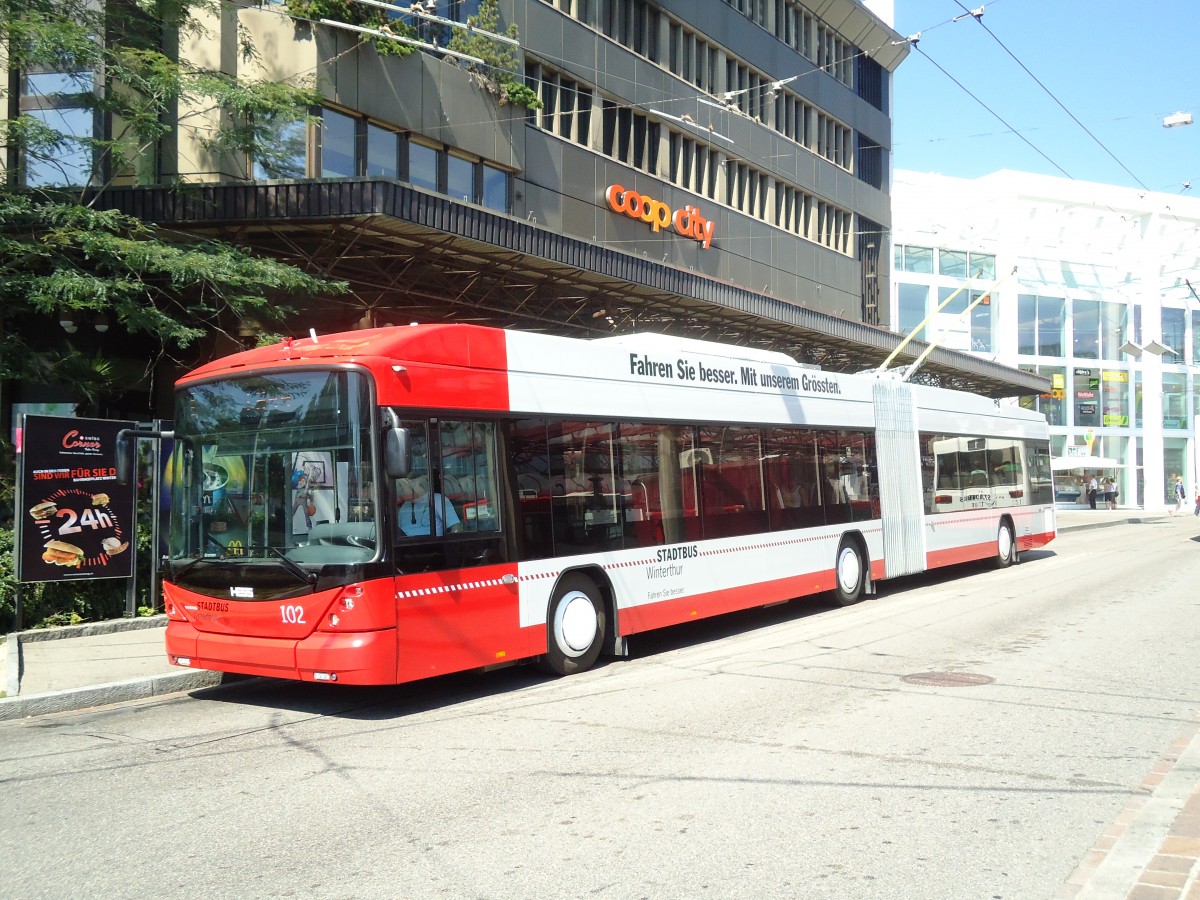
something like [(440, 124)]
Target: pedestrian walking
[(1180, 495)]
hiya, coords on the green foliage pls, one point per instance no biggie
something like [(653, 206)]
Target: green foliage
[(73, 602), (500, 66), (145, 83), (60, 255), (356, 14), (59, 619)]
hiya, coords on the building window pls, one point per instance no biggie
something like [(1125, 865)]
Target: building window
[(982, 265), (952, 263), (495, 188), (1173, 334), (351, 146), (1113, 318), (286, 155), (1098, 329), (630, 137), (981, 326), (383, 152), (460, 178), (59, 101), (1052, 404), (1174, 405), (423, 166), (1114, 386), (1040, 325), (1088, 397), (914, 303), (962, 264), (566, 103), (1085, 342), (972, 331), (914, 259), (339, 158), (633, 24)]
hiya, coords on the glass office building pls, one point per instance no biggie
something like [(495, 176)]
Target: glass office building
[(1092, 287)]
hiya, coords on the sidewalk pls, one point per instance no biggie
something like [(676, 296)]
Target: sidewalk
[(1075, 518), (79, 666)]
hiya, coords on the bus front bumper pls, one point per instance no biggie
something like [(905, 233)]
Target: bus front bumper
[(367, 657)]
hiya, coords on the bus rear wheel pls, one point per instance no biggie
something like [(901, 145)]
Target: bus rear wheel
[(849, 573), (1006, 547), (575, 624)]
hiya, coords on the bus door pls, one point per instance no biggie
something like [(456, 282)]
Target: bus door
[(448, 508)]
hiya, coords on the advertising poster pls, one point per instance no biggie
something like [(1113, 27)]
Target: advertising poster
[(74, 521)]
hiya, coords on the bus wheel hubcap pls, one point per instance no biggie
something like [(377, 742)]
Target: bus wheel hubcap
[(576, 623), (1005, 543), (849, 570)]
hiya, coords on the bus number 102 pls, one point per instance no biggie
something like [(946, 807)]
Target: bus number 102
[(292, 615)]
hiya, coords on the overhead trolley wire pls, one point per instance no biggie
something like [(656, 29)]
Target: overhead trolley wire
[(977, 15)]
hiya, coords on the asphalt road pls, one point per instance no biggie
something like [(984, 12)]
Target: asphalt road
[(787, 752)]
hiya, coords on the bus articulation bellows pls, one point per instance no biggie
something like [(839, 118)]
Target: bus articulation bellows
[(397, 503)]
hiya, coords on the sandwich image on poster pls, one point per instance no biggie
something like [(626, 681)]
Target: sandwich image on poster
[(60, 553), (43, 511)]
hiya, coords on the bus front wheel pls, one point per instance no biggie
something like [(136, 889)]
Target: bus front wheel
[(575, 625), (850, 574), (1006, 547)]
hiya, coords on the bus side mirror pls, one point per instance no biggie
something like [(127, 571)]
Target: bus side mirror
[(126, 443), (397, 454)]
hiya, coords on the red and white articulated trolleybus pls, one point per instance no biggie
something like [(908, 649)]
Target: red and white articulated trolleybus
[(397, 503)]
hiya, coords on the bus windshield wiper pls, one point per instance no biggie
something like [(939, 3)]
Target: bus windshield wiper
[(303, 574), (178, 573), (249, 552)]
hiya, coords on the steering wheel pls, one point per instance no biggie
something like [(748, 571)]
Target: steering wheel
[(362, 543)]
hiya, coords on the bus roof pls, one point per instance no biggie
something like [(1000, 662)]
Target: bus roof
[(449, 344), (650, 374)]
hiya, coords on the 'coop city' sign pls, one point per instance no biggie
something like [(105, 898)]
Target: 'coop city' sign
[(687, 221)]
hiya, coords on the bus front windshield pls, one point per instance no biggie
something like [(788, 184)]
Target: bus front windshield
[(274, 467)]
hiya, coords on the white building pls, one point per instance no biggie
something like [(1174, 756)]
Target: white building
[(1093, 288)]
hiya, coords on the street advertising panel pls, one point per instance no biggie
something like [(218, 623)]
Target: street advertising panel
[(75, 520)]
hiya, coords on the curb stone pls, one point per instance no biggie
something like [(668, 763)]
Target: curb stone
[(15, 706), (103, 694)]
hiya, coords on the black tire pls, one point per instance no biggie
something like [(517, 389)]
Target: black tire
[(575, 625), (849, 573), (1006, 547)]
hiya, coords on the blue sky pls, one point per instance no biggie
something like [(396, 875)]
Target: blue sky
[(1117, 67)]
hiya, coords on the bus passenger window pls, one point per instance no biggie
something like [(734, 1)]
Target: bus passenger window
[(469, 473)]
